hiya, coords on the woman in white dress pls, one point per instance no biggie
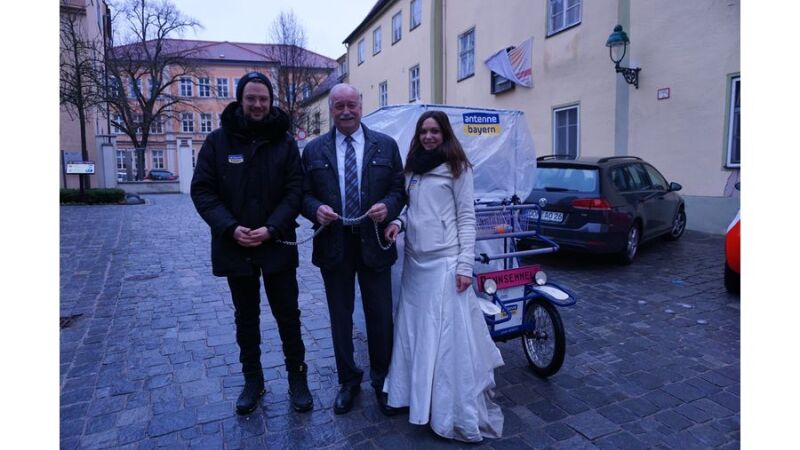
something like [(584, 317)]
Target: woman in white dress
[(443, 359)]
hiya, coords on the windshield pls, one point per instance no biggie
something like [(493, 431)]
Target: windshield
[(566, 179)]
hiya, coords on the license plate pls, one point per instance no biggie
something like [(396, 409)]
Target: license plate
[(547, 216)]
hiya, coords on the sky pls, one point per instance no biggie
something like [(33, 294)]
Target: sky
[(326, 23)]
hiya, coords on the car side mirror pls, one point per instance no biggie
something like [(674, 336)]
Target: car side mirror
[(675, 186)]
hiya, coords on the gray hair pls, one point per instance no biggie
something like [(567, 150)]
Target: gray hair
[(338, 87)]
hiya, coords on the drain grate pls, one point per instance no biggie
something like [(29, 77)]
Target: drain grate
[(67, 321)]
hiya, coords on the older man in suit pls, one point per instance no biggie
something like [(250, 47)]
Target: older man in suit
[(350, 172)]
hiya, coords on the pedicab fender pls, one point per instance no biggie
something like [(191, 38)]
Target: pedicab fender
[(555, 294)]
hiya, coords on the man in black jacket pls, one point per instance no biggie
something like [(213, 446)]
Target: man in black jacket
[(349, 172), (247, 186)]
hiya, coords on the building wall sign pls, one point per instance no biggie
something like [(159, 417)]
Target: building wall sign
[(663, 94), (479, 124), (80, 167)]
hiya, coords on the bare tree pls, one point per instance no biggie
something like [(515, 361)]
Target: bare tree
[(80, 62), (151, 64), (298, 68)]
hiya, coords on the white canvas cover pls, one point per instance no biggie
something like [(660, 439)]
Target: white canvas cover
[(496, 141)]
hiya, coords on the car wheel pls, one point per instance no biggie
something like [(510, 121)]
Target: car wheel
[(732, 280), (631, 245), (678, 226)]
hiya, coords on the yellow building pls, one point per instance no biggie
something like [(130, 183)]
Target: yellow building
[(92, 19), (683, 117)]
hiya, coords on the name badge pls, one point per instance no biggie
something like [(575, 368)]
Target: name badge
[(235, 159), (412, 183)]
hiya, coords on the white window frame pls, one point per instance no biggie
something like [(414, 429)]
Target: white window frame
[(557, 19), (204, 87), (206, 123), (383, 94), (138, 119), (222, 88), (734, 122), (115, 129), (187, 122), (556, 143), (235, 85), (157, 126), (416, 13), (121, 159), (361, 51), (376, 41), (158, 159), (397, 27), (413, 84), (186, 87), (113, 87), (466, 54), (131, 91)]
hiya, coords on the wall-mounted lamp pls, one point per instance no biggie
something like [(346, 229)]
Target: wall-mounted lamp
[(617, 44)]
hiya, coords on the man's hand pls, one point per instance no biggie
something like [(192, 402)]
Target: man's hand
[(378, 212), (260, 234), (326, 215), (244, 236), (462, 282), (391, 232)]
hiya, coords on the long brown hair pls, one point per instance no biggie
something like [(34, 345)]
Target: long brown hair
[(453, 152)]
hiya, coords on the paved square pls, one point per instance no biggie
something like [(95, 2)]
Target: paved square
[(150, 360)]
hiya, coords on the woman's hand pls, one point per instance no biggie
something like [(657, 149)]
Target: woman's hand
[(462, 282), (390, 233)]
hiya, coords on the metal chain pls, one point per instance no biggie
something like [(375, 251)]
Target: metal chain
[(345, 221)]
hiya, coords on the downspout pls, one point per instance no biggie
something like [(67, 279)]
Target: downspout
[(437, 21), (623, 90)]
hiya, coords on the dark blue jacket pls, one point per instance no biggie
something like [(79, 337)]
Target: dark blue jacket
[(381, 182)]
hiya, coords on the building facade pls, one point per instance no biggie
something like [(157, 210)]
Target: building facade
[(92, 19), (683, 117), (204, 97)]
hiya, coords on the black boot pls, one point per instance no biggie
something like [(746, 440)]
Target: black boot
[(298, 388), (248, 399)]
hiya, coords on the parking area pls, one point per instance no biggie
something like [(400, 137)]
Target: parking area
[(148, 354)]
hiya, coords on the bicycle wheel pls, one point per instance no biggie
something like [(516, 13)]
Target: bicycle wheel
[(545, 345)]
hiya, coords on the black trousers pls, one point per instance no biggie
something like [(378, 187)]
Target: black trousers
[(281, 289), (376, 296)]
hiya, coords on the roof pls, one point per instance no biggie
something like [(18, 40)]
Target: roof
[(372, 14), (239, 52), (323, 88)]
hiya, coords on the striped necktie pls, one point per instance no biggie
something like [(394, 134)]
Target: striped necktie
[(352, 199)]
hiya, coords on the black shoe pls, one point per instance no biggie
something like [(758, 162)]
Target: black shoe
[(383, 404), (298, 392), (345, 397), (248, 399)]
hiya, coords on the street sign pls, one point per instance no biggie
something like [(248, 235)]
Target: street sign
[(80, 167)]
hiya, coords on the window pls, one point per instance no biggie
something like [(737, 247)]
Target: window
[(317, 122), (116, 121), (138, 121), (187, 122), (416, 14), (235, 85), (138, 86), (222, 87), (158, 159), (562, 15), (567, 178), (121, 159), (194, 157), (114, 87), (397, 27), (734, 157), (376, 41), (383, 94), (565, 131), (657, 180), (361, 51), (186, 87), (204, 87), (157, 126), (637, 177), (343, 68), (501, 84), (205, 122), (306, 88), (466, 54), (413, 84)]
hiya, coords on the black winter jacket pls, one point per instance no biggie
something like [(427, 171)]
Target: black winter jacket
[(249, 175)]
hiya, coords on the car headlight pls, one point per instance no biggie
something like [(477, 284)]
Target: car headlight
[(540, 278), (489, 286)]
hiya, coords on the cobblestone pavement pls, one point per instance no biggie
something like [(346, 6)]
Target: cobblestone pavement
[(149, 359)]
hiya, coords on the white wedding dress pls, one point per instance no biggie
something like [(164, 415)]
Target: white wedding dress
[(443, 359)]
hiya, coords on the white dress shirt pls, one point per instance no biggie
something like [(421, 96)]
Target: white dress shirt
[(341, 149)]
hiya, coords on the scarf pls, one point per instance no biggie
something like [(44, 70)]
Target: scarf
[(425, 160)]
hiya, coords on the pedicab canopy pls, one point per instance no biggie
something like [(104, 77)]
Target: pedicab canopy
[(496, 141)]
